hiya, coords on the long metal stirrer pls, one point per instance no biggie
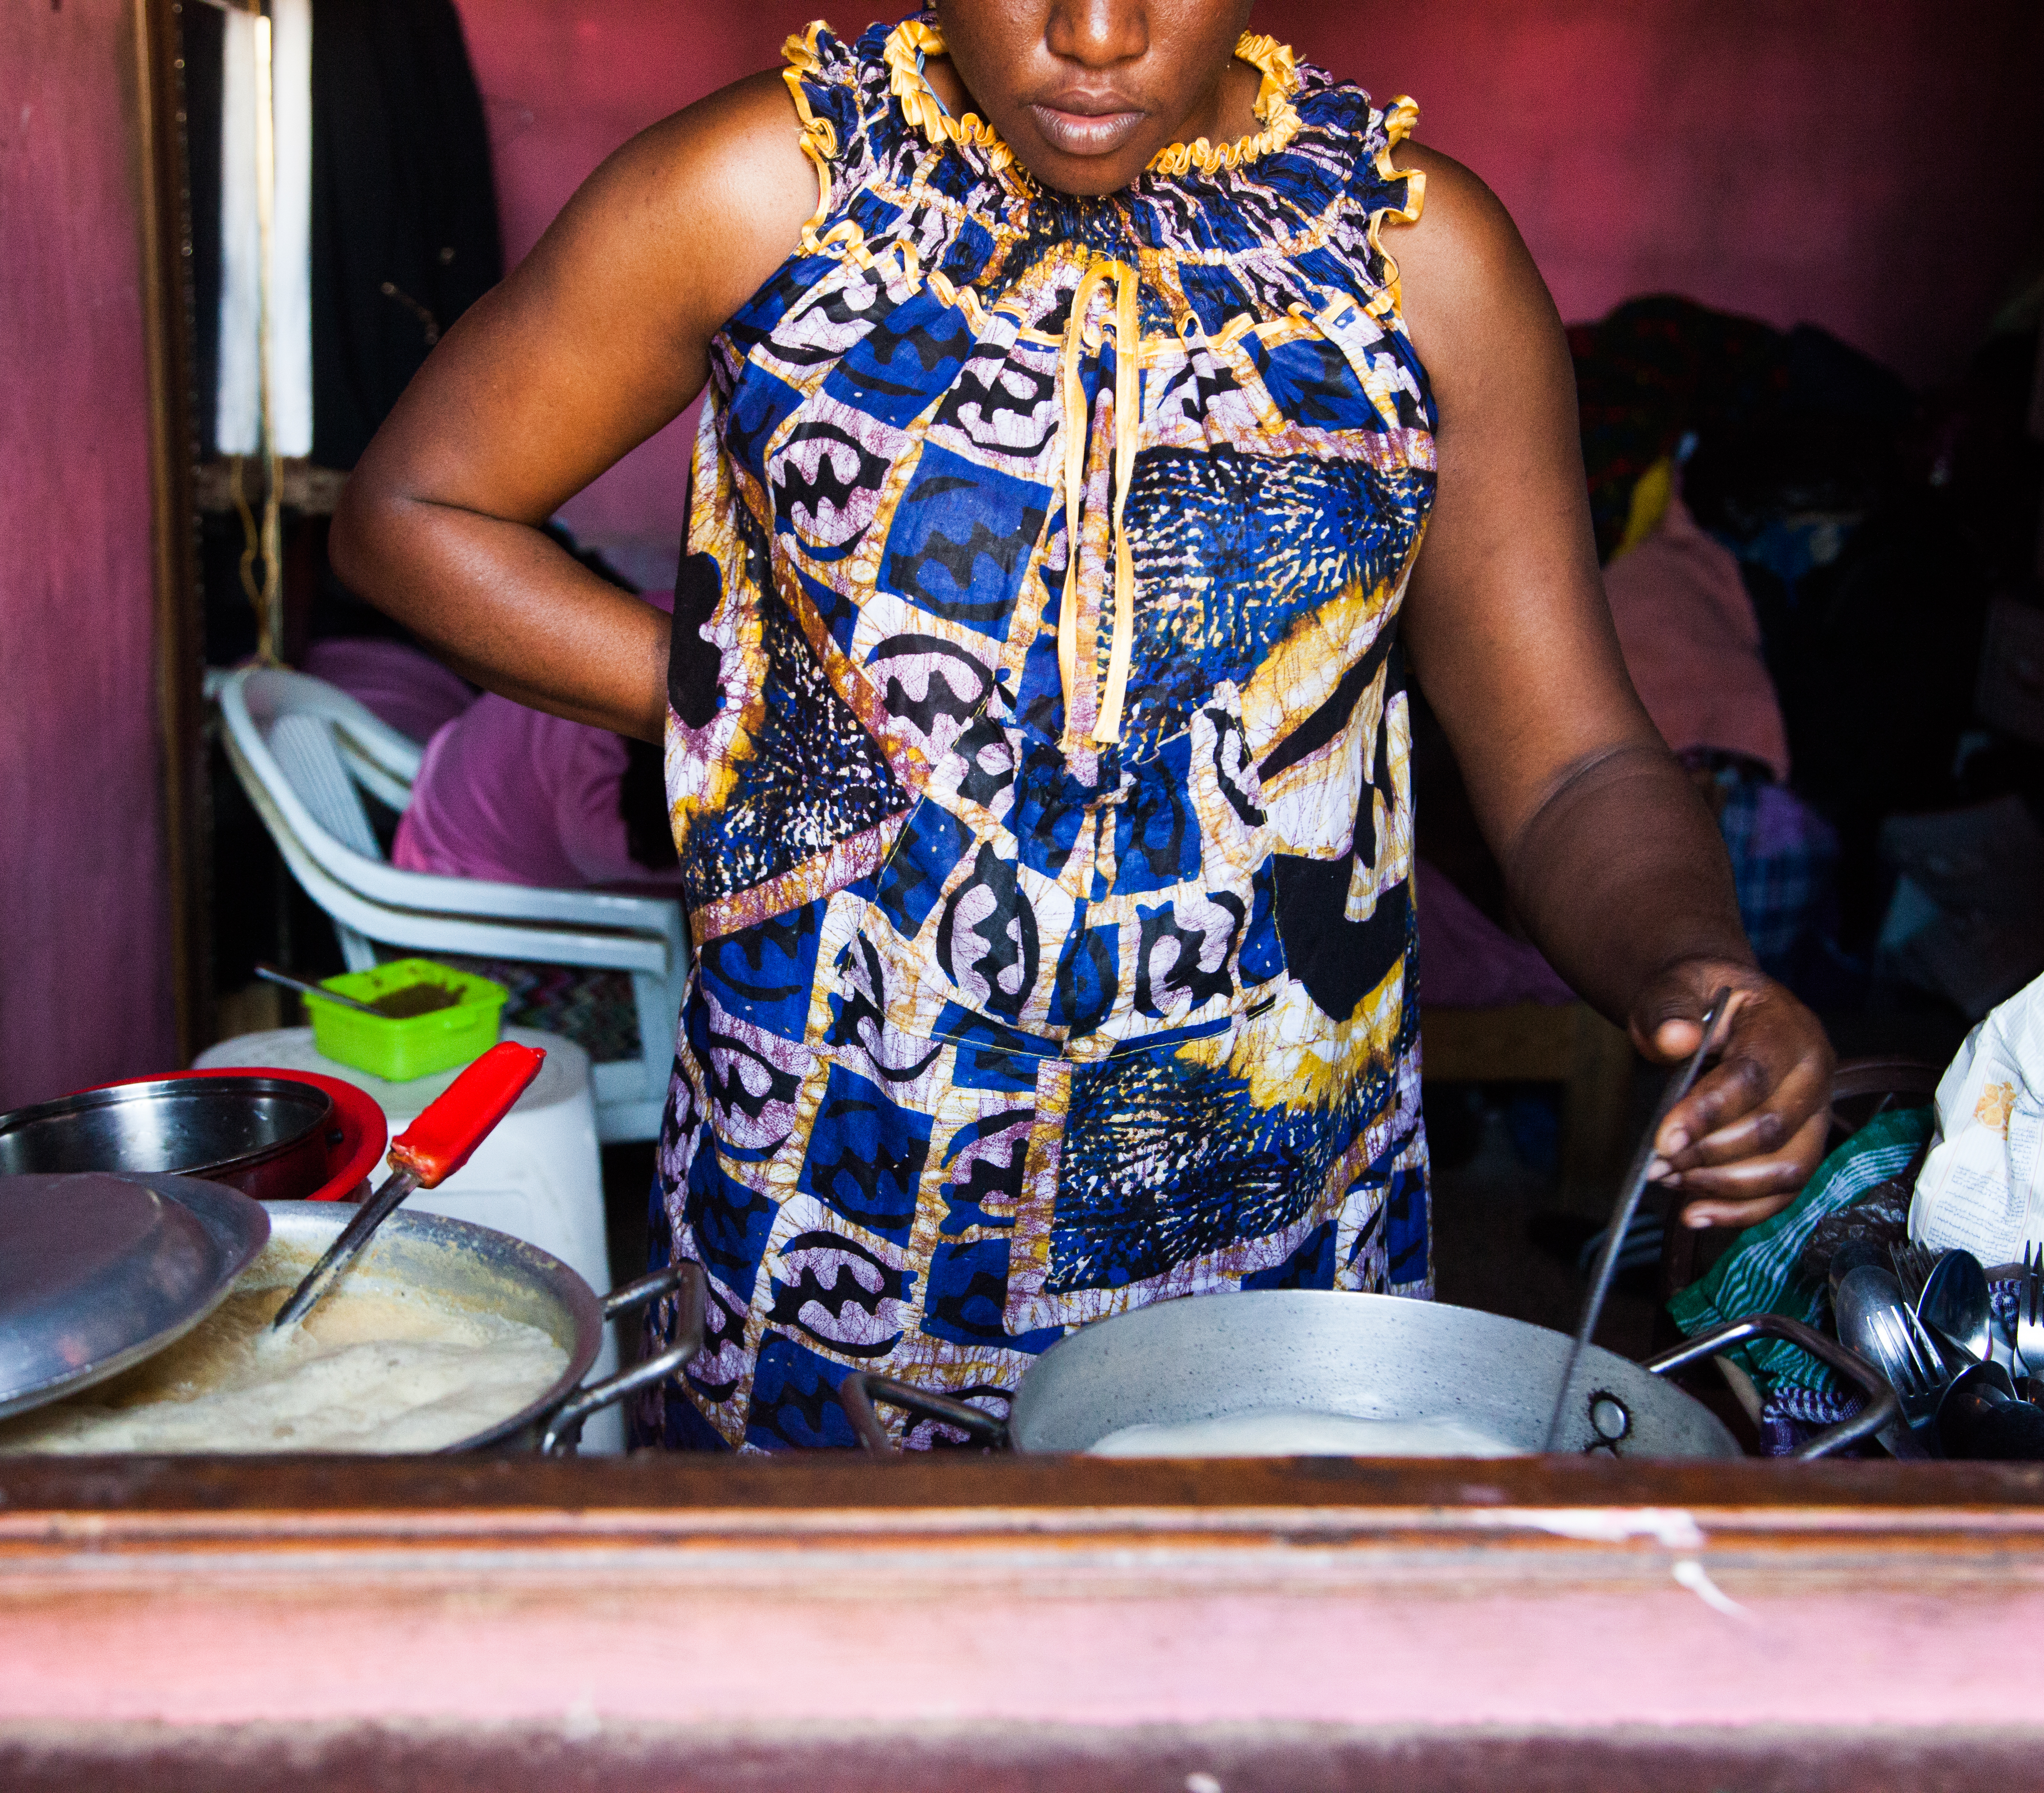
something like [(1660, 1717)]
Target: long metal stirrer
[(1629, 1193)]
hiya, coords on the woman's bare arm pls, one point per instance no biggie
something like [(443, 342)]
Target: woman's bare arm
[(599, 338), (1612, 862)]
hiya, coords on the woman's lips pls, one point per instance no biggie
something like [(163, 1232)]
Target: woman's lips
[(1085, 133)]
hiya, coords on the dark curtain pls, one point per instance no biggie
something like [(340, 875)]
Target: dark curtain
[(405, 230)]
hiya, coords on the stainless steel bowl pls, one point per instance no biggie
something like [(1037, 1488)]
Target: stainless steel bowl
[(266, 1136)]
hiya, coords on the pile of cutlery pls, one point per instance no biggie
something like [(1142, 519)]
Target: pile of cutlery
[(1968, 1387)]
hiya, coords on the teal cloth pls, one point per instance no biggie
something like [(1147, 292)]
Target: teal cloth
[(1759, 1274)]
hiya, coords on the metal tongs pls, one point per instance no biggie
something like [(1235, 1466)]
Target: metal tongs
[(427, 1152), (1629, 1193)]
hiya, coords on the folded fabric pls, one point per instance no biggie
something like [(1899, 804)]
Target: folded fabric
[(1784, 865), (1760, 1274), (1691, 644)]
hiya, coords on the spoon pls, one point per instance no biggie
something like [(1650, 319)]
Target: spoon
[(273, 976), (433, 1147), (1863, 1291), (1955, 1305), (1629, 1193)]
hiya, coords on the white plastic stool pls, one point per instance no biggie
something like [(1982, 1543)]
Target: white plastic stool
[(538, 1176)]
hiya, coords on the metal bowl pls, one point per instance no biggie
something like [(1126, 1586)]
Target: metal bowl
[(266, 1136)]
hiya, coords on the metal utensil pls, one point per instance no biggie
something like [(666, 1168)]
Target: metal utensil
[(1914, 1371), (1912, 1268), (1980, 1419), (1629, 1193), (2029, 1312), (1865, 1297), (316, 992), (1957, 1308), (433, 1147)]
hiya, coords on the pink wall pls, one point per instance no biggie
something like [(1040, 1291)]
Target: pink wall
[(85, 992), (1875, 166)]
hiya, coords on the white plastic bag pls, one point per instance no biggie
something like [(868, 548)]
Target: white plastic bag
[(1983, 1184)]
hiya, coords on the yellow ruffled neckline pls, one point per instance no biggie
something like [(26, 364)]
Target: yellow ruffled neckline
[(914, 39)]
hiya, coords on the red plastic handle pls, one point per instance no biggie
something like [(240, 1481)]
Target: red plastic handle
[(437, 1144)]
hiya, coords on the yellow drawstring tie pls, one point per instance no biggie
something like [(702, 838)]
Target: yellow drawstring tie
[(1128, 344)]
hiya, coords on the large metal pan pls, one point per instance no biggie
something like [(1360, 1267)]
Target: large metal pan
[(1375, 1356), (476, 1267)]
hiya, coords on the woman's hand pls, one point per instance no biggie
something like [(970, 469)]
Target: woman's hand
[(1745, 1139)]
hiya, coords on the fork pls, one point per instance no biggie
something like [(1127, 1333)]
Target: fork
[(1913, 1264), (1913, 1365), (2029, 1312)]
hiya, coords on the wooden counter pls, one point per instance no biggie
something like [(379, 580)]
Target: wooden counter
[(827, 1621)]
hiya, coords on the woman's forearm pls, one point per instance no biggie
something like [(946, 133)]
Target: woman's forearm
[(1621, 873), (507, 608)]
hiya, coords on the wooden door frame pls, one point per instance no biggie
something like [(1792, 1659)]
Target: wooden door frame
[(165, 216)]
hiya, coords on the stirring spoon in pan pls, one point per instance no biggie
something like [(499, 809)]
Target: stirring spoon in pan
[(433, 1147), (1629, 1193)]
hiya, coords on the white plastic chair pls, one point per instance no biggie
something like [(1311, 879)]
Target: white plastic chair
[(301, 748)]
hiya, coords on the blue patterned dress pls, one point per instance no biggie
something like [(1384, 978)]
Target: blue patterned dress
[(1037, 753)]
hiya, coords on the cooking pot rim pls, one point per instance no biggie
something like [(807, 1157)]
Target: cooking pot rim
[(501, 1251)]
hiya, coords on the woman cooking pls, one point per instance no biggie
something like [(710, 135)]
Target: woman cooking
[(1080, 483)]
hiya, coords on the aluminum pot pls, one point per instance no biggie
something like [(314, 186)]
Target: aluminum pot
[(1375, 1356), (477, 1266), (267, 1136)]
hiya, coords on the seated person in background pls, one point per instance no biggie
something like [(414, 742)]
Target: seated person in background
[(401, 687), (1692, 646), (512, 794)]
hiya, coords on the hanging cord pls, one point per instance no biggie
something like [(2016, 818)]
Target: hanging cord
[(1128, 344), (252, 550)]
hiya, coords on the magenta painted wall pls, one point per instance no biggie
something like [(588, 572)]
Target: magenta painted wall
[(1875, 166), (85, 992)]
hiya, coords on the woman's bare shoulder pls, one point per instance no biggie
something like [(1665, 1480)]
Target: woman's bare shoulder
[(1471, 289)]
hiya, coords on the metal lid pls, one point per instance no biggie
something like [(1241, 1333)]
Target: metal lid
[(98, 1271)]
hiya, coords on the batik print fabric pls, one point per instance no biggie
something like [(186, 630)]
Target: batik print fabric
[(1052, 927)]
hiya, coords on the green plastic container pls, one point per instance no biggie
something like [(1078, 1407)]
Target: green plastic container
[(416, 1045)]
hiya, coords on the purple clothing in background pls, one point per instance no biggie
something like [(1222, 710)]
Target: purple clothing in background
[(514, 795), (410, 691), (1467, 961)]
